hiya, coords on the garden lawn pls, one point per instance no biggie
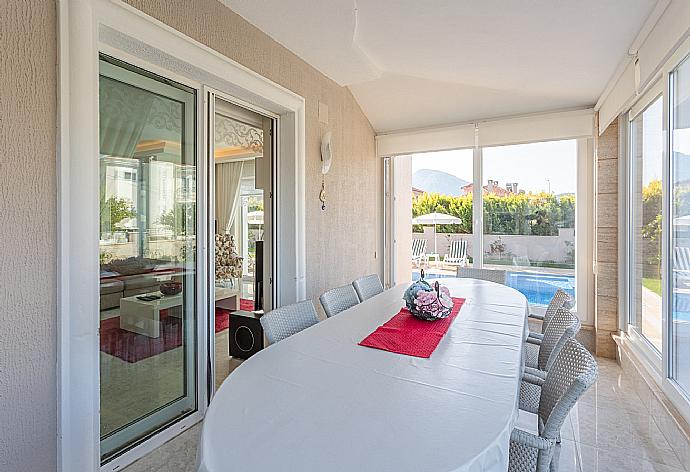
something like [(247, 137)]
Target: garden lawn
[(652, 284)]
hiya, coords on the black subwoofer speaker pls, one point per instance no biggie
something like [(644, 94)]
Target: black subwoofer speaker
[(246, 336)]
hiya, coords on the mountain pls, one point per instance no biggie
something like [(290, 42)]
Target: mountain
[(438, 181)]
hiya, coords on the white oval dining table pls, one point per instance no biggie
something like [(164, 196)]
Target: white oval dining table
[(317, 401)]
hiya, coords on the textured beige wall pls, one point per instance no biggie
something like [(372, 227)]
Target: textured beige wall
[(606, 315), (27, 236), (341, 241)]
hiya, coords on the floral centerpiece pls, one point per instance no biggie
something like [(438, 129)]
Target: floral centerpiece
[(427, 302)]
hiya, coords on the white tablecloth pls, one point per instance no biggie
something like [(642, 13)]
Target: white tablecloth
[(319, 402)]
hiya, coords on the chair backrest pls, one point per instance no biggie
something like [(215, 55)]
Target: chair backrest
[(498, 276), (458, 249), (367, 286), (339, 299), (681, 258), (573, 372), (288, 320), (418, 247), (563, 326), (557, 302)]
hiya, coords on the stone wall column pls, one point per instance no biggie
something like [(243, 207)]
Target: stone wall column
[(607, 233)]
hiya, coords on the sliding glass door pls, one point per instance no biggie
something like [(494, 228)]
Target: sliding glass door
[(679, 341), (242, 173), (148, 257), (646, 169)]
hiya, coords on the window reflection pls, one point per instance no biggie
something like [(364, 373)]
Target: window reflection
[(680, 326)]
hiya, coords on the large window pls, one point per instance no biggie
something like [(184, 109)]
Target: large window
[(680, 204), (658, 230), (646, 167), (528, 199), (529, 216), (442, 211)]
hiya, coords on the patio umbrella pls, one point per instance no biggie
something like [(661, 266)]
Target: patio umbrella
[(436, 219)]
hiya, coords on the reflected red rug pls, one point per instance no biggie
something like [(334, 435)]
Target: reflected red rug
[(133, 347)]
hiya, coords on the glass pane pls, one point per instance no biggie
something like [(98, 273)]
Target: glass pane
[(529, 216), (441, 212), (147, 255), (680, 327), (646, 149), (242, 171)]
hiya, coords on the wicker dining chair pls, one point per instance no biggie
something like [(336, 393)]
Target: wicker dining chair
[(339, 299), (535, 443), (539, 359), (367, 286), (562, 326), (288, 320), (498, 276), (559, 300)]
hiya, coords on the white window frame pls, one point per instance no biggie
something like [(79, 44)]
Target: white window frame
[(79, 23), (658, 365), (654, 92), (584, 215)]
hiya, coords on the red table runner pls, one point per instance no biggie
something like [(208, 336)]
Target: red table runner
[(405, 334)]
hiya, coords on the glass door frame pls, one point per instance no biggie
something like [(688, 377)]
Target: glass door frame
[(196, 364), (658, 365), (628, 294), (671, 387), (270, 223), (172, 429), (117, 29)]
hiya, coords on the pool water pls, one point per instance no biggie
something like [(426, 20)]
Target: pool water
[(538, 288)]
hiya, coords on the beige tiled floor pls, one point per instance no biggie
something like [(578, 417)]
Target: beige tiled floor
[(606, 432)]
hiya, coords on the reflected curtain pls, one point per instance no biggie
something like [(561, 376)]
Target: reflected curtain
[(124, 111), (228, 177)]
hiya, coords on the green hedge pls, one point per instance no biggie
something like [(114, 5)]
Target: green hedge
[(540, 214)]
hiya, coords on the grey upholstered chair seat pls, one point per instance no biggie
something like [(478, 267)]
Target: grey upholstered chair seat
[(367, 286), (339, 299), (288, 320), (498, 276), (535, 447)]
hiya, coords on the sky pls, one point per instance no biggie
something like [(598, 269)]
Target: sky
[(535, 167)]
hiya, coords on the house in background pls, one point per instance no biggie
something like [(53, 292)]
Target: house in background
[(493, 188)]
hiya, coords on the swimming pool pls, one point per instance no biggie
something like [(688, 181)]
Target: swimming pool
[(537, 287)]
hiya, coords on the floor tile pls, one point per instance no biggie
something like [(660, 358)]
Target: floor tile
[(177, 455), (568, 457), (618, 460), (606, 425)]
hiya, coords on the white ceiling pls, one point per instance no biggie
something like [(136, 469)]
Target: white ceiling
[(414, 64)]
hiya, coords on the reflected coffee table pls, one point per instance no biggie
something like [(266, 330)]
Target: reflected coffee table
[(143, 317)]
